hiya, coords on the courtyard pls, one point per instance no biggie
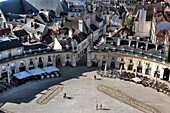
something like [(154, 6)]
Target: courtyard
[(82, 95)]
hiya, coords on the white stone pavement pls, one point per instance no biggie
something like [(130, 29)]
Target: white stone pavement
[(84, 95)]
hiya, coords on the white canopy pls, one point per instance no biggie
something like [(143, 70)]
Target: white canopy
[(36, 71), (136, 79), (22, 74), (50, 69)]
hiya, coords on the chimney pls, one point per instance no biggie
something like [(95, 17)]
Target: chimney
[(36, 26), (81, 25), (28, 39), (32, 25), (70, 33)]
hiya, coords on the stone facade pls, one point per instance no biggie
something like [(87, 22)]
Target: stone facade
[(143, 65), (27, 62)]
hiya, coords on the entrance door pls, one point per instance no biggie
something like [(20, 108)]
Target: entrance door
[(22, 68), (166, 74), (121, 64), (112, 64)]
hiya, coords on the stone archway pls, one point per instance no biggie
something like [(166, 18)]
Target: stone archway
[(148, 69), (139, 67), (31, 64), (68, 60), (4, 73), (22, 66), (40, 62), (112, 65), (50, 63), (13, 68), (130, 64), (121, 63), (166, 74), (58, 60)]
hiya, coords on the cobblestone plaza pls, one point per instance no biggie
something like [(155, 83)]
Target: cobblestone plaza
[(82, 95)]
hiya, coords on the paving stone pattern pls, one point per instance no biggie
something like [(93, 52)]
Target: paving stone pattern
[(50, 94), (127, 99)]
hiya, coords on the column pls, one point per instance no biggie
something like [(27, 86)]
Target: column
[(130, 42), (161, 72), (146, 48), (36, 62), (156, 47), (89, 57), (118, 42), (137, 44), (54, 60), (45, 61), (73, 62), (153, 69), (9, 73)]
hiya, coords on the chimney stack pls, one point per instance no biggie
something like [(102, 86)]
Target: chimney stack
[(32, 25), (81, 25)]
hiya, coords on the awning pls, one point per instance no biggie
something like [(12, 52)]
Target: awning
[(50, 69), (36, 71), (136, 79), (22, 74)]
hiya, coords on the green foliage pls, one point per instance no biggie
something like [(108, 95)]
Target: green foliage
[(167, 52), (129, 21)]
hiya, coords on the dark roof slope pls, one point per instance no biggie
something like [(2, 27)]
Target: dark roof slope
[(20, 33), (93, 27), (80, 37), (149, 8), (10, 44), (34, 47)]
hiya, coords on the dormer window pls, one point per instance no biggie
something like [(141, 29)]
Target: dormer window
[(18, 51)]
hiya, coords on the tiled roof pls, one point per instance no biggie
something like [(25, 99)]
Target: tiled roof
[(149, 8), (4, 31)]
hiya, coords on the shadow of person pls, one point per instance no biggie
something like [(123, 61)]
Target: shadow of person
[(105, 109), (69, 98)]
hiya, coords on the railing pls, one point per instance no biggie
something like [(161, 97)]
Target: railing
[(132, 52)]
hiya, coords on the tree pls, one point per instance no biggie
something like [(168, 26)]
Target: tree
[(129, 23)]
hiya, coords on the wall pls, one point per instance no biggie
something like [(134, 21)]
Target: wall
[(109, 55), (42, 4)]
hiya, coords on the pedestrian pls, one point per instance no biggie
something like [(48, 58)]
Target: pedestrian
[(64, 95), (96, 106), (95, 77), (100, 106)]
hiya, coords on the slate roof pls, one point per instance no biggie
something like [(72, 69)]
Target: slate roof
[(20, 33), (93, 27), (80, 37), (14, 43), (35, 47), (98, 19)]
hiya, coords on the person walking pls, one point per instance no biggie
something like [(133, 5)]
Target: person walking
[(100, 106), (64, 95), (95, 77), (96, 106)]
